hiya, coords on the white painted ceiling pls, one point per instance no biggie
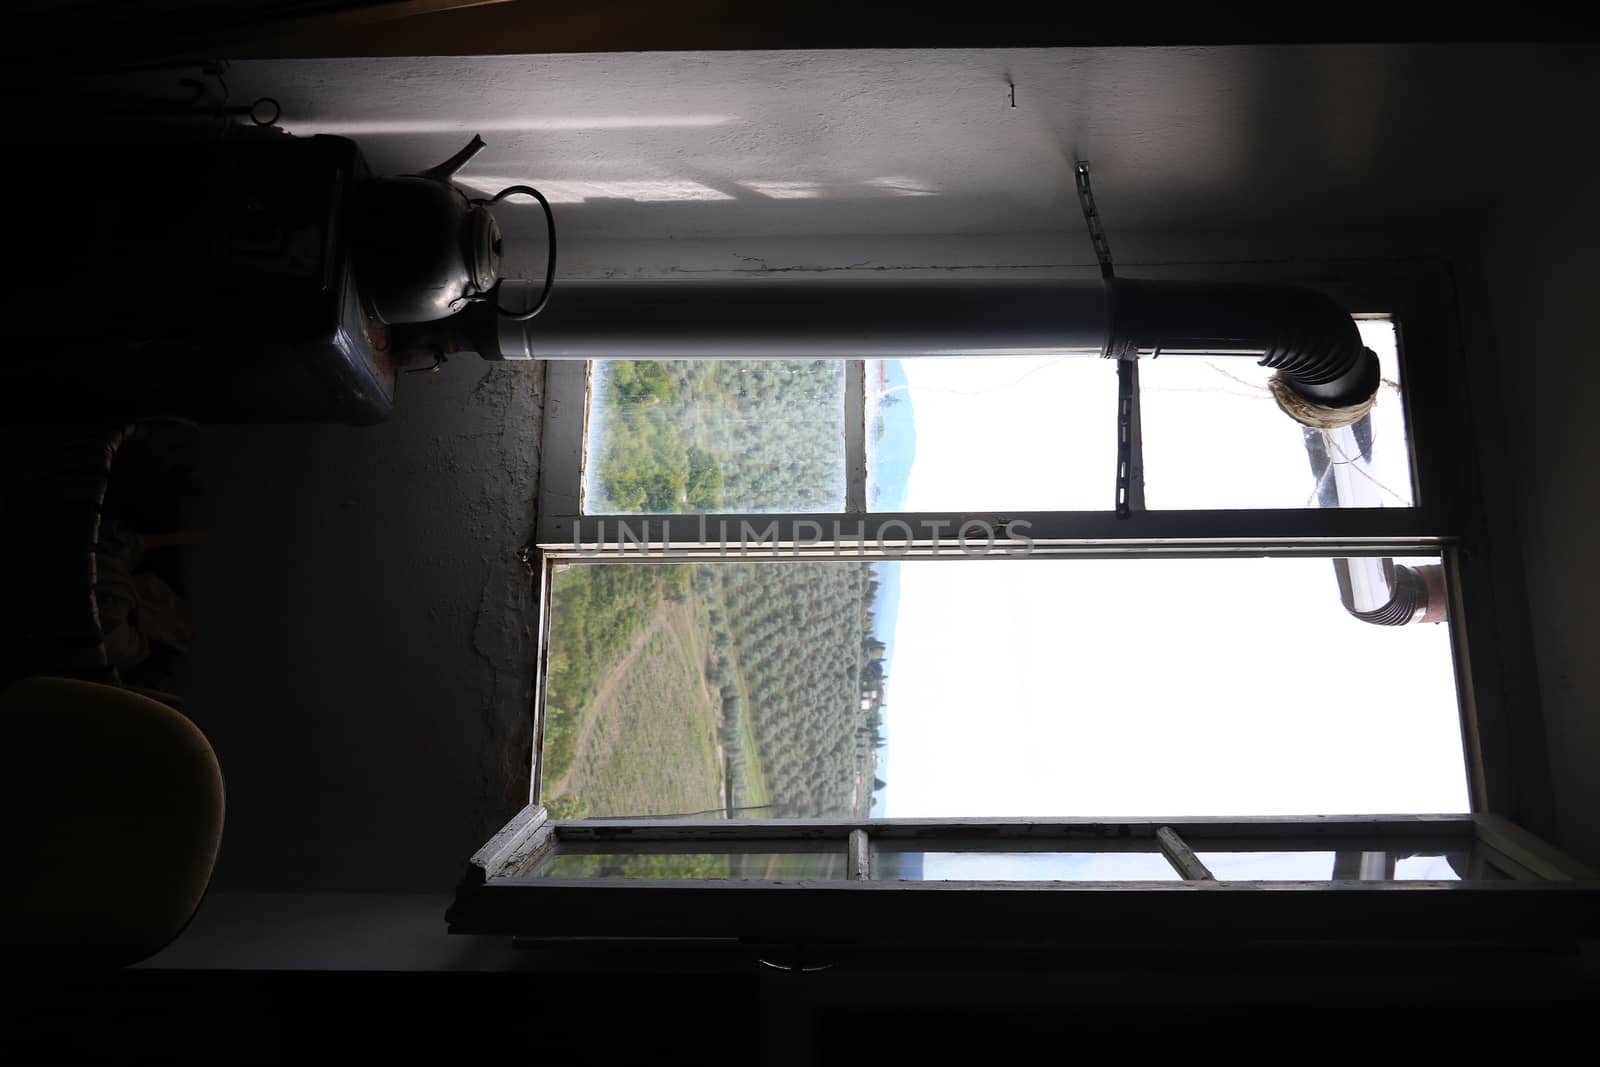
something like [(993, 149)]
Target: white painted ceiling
[(694, 145)]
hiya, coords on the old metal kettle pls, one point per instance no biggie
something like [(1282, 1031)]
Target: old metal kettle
[(420, 248)]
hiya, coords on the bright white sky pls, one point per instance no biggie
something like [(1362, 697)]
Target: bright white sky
[(1148, 687)]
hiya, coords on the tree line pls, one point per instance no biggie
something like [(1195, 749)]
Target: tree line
[(716, 435)]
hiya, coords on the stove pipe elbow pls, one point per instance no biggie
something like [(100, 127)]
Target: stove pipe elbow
[(1301, 333)]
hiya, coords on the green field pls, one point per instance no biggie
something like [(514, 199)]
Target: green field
[(710, 689), (647, 741)]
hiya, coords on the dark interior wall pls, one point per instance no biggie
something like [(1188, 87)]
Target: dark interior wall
[(363, 664), (1540, 260)]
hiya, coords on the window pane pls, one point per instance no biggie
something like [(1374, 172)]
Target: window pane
[(984, 866), (991, 434), (745, 688), (990, 688), (641, 863), (1438, 867), (1213, 437), (1351, 865), (715, 435), (1269, 866)]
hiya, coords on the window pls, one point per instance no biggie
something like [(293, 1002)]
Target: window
[(824, 623)]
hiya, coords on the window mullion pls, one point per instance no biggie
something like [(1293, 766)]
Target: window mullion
[(1350, 531), (859, 861), (563, 444), (1130, 441), (855, 437)]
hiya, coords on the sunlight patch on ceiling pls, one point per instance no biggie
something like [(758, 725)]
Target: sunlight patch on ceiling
[(902, 186), (643, 191), (785, 190)]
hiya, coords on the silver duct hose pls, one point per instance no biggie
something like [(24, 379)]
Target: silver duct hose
[(1373, 589)]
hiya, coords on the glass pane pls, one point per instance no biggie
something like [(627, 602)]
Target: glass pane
[(1213, 437), (984, 866), (1350, 865), (1438, 867), (748, 688), (991, 434), (990, 688), (1269, 866), (675, 864), (715, 435)]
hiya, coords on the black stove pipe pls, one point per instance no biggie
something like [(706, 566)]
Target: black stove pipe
[(1305, 335), (1301, 333)]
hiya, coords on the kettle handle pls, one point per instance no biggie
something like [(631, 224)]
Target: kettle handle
[(550, 265)]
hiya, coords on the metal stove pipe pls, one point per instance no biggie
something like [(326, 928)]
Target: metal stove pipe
[(1304, 334)]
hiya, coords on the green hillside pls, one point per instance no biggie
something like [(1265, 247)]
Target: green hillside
[(716, 435)]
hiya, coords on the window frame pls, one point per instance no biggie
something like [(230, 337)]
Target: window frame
[(1540, 893), (1502, 738)]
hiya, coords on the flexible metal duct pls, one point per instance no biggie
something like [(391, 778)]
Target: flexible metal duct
[(1372, 588), (1408, 594)]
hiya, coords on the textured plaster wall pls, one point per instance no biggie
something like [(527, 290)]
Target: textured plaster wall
[(730, 144), (364, 661)]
